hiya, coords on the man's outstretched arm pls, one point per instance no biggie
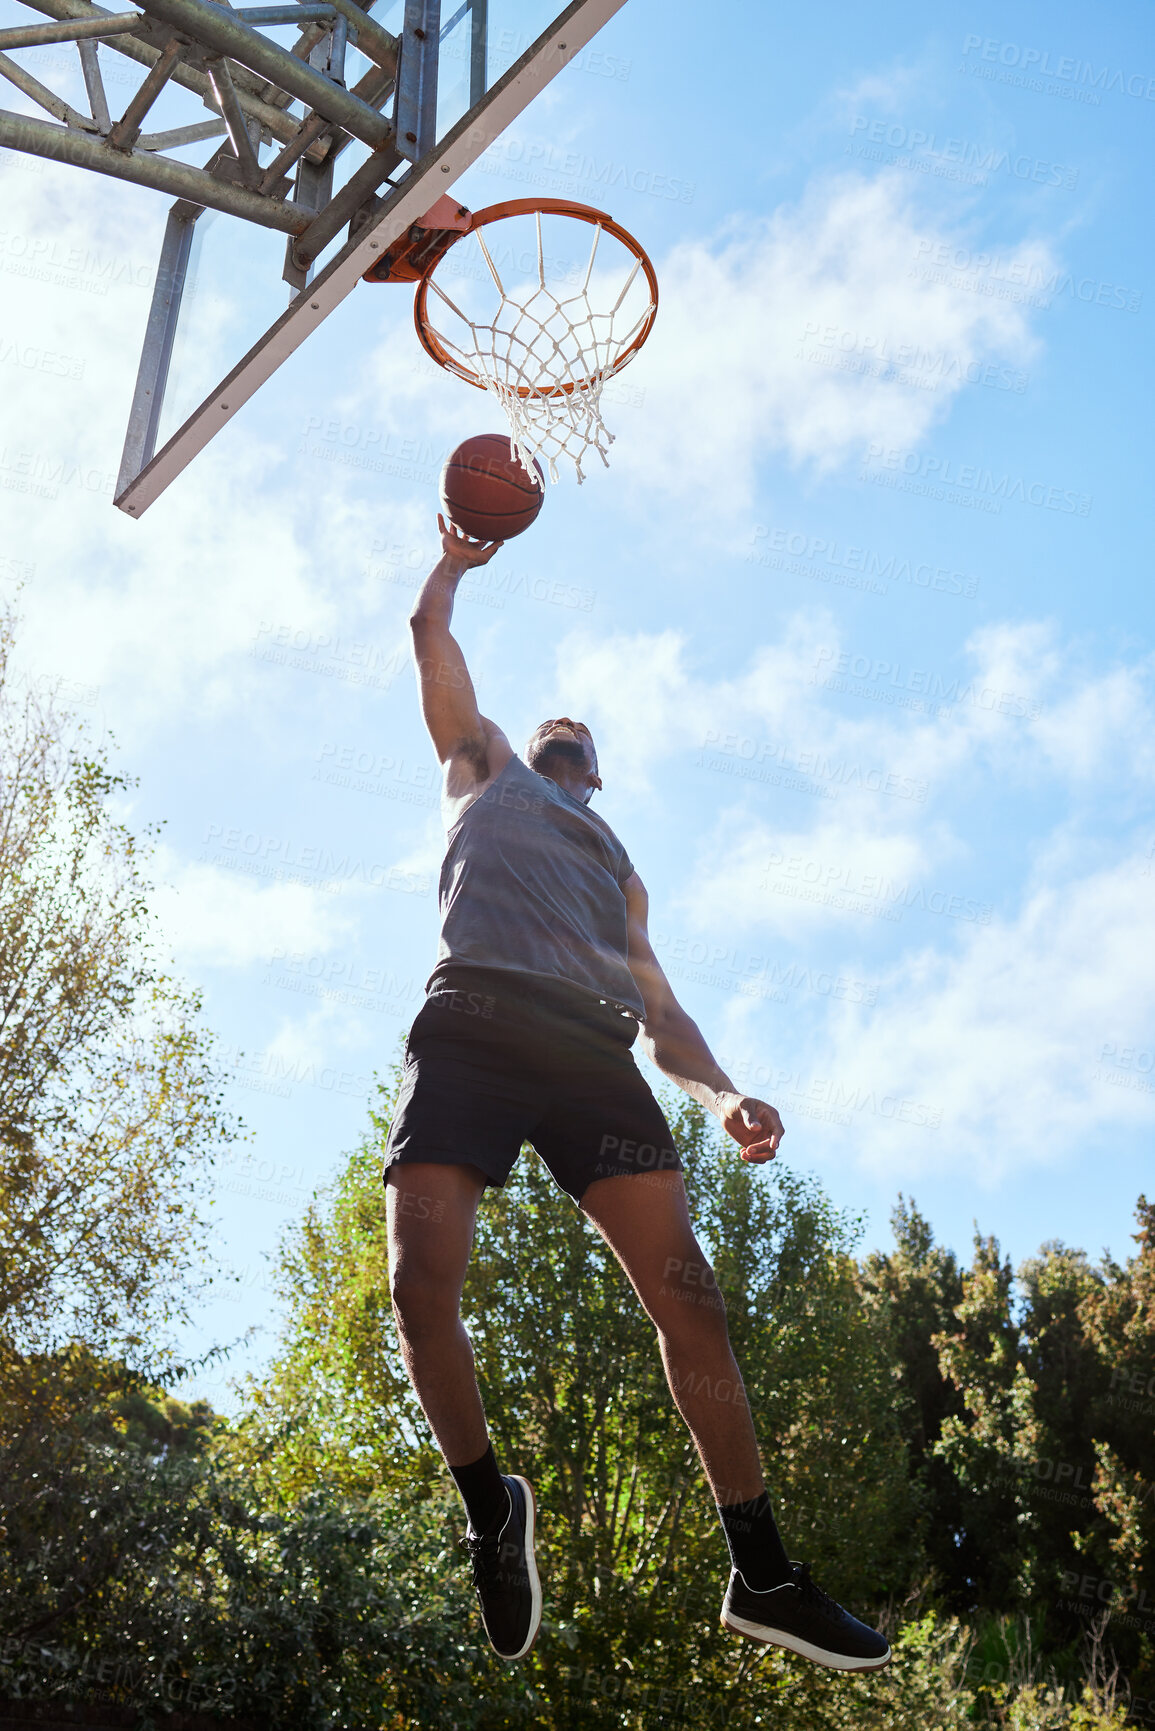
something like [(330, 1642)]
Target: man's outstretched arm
[(673, 1041), (470, 746)]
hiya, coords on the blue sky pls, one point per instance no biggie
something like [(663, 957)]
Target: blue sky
[(859, 614)]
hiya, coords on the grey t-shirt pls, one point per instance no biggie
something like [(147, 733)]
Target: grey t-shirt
[(532, 883)]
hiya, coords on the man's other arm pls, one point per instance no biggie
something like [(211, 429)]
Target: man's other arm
[(472, 749), (673, 1041)]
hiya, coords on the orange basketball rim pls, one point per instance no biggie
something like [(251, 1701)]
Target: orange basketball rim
[(546, 347)]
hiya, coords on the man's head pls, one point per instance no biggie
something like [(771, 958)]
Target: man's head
[(564, 750)]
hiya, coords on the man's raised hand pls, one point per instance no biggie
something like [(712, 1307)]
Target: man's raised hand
[(753, 1124), (463, 548)]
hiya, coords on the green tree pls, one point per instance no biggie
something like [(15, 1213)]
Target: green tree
[(630, 1544), (917, 1289), (108, 1099)]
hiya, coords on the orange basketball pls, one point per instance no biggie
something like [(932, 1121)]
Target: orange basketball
[(487, 491)]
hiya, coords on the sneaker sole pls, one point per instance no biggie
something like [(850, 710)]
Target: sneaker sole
[(534, 1579), (805, 1649)]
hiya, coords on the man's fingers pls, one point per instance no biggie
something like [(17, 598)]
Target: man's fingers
[(758, 1153)]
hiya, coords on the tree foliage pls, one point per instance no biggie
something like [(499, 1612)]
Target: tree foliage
[(108, 1100), (302, 1566)]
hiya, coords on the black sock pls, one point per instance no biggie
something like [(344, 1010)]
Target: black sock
[(755, 1546), (482, 1491)]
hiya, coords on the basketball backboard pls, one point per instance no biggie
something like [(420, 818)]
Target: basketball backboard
[(342, 124)]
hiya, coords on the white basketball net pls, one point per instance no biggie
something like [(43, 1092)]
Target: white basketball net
[(547, 358)]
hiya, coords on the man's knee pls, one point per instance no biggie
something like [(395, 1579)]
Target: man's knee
[(689, 1287), (425, 1299)]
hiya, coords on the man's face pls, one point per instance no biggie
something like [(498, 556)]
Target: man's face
[(562, 744)]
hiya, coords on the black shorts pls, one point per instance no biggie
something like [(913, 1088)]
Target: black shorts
[(497, 1059)]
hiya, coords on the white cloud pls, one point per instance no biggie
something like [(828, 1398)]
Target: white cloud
[(1016, 1038), (808, 332), (223, 918), (792, 882)]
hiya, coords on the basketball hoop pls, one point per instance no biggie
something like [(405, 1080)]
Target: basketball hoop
[(561, 328)]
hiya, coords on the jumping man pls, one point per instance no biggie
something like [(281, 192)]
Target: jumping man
[(544, 978)]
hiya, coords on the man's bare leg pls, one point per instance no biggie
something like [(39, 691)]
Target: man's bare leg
[(646, 1222), (431, 1213)]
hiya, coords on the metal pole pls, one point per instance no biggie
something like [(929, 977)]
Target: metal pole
[(94, 84), (218, 71), (417, 79), (312, 188), (39, 35), (42, 96), (216, 28), (127, 129), (142, 168), (160, 332), (375, 43), (338, 211), (478, 45)]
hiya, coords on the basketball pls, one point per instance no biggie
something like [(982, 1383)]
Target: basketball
[(487, 491)]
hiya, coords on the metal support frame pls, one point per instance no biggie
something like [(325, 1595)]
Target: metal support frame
[(159, 336), (253, 93), (416, 110), (143, 168), (406, 204), (218, 29)]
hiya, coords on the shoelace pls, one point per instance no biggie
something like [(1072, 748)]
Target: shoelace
[(484, 1557), (810, 1589)]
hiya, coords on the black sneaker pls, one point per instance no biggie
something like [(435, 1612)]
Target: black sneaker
[(802, 1618), (505, 1575)]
